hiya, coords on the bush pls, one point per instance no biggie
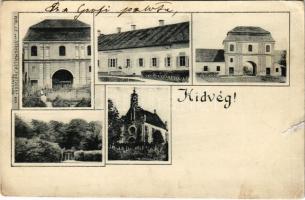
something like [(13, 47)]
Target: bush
[(167, 75), (207, 74), (84, 103), (32, 101), (59, 102), (36, 150), (95, 155)]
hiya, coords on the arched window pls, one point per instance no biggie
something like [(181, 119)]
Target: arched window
[(250, 47), (267, 48), (231, 47), (89, 50), (34, 51), (62, 50)]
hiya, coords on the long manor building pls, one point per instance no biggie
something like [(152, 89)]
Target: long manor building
[(164, 47), (56, 54)]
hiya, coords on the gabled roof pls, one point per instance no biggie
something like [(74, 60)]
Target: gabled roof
[(149, 37), (151, 118), (58, 30), (249, 33), (210, 55)]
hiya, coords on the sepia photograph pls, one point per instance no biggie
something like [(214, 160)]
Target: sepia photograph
[(56, 60), (55, 138), (143, 48), (139, 125), (243, 48)]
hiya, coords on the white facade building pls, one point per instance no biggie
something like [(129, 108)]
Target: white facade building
[(165, 47), (57, 53)]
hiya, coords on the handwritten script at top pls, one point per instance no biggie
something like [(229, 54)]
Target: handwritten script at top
[(159, 7)]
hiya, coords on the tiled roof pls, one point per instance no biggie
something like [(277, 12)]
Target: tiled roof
[(149, 37), (210, 55), (58, 30), (249, 33), (151, 118)]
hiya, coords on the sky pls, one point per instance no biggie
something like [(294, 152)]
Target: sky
[(28, 19), (210, 29), (108, 23), (61, 115), (149, 98)]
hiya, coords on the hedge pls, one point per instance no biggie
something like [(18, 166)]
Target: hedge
[(167, 75), (95, 155), (207, 74), (36, 150)]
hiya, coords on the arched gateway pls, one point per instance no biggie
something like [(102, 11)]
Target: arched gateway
[(62, 79), (250, 68)]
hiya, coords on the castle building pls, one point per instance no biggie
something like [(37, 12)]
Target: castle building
[(248, 50), (142, 126), (56, 54), (165, 47)]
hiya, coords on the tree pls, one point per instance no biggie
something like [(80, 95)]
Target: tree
[(114, 123), (56, 132), (40, 129), (22, 129), (93, 137), (74, 133), (283, 58)]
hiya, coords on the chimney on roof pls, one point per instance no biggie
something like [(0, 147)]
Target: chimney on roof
[(98, 32), (165, 124), (133, 27), (155, 112), (161, 22), (119, 29)]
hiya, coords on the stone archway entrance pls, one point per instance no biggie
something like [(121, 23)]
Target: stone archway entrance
[(62, 79), (250, 68)]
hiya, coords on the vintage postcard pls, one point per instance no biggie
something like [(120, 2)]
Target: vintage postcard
[(181, 99)]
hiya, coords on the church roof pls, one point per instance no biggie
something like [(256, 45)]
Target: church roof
[(210, 55), (149, 37), (58, 30), (249, 33), (151, 118)]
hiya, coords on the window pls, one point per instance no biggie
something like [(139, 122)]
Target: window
[(89, 50), (231, 47), (128, 62), (182, 61), (89, 68), (231, 59), (205, 68), (267, 48), (250, 47), (231, 70), (276, 69), (218, 68), (34, 51), (268, 71), (112, 62), (167, 61), (62, 50), (98, 63), (141, 62), (154, 62), (34, 83), (34, 68)]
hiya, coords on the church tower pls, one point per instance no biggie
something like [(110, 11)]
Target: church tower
[(134, 99), (134, 104)]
